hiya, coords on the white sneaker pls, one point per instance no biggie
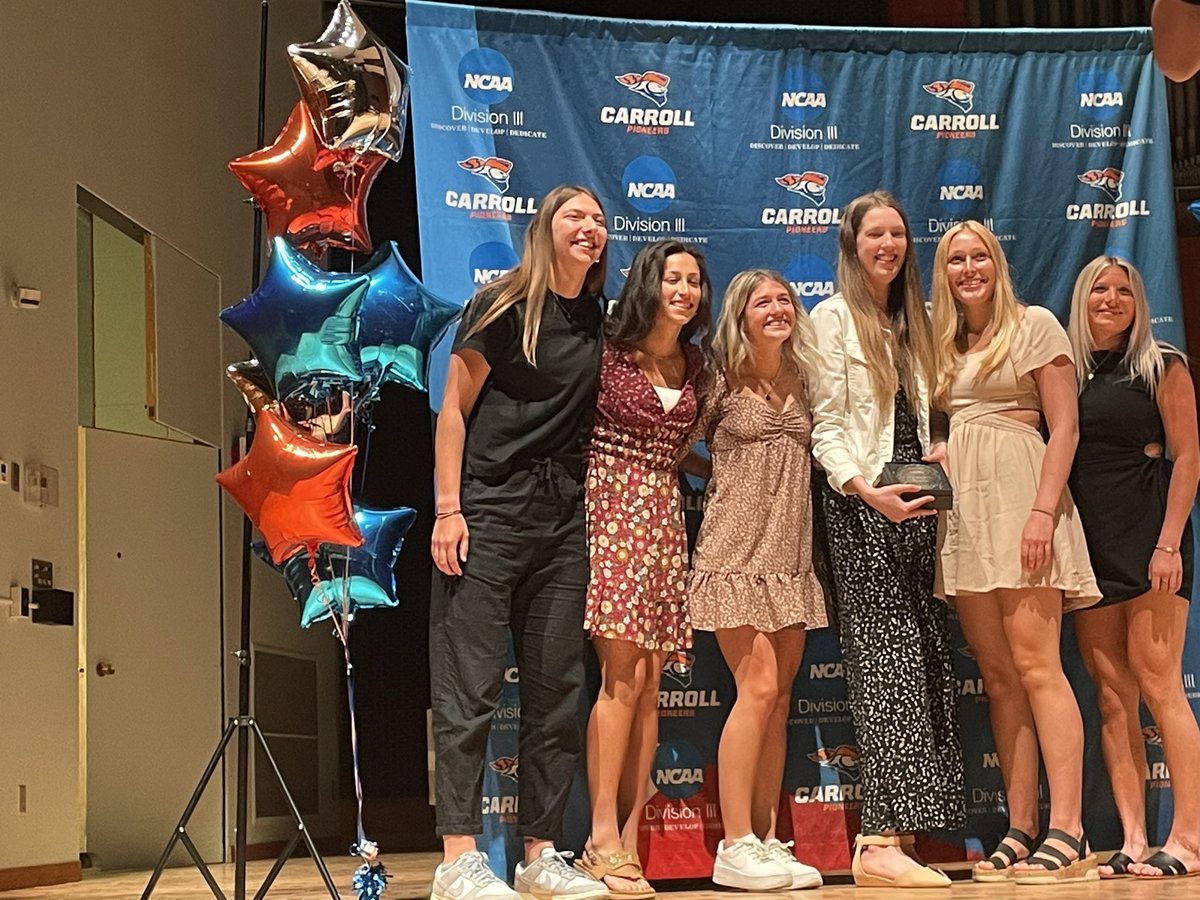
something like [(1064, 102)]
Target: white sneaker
[(747, 865), (802, 876), (469, 878), (550, 875)]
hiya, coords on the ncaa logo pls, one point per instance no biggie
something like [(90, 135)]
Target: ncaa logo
[(485, 75), (495, 169), (678, 770), (802, 95), (680, 664), (490, 260), (650, 85), (508, 766), (812, 280), (957, 91), (959, 187), (1107, 179), (1100, 95), (809, 185), (649, 184), (843, 759)]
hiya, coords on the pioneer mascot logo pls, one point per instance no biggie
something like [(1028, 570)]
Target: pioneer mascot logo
[(507, 766), (1151, 736), (809, 185), (495, 169), (651, 85), (957, 91), (1107, 179), (680, 664), (843, 759)]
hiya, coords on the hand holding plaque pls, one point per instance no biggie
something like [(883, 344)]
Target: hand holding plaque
[(930, 479)]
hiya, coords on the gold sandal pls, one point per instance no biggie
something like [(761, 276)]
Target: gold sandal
[(621, 864), (924, 877)]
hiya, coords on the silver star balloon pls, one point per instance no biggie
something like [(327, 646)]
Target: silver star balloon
[(355, 88)]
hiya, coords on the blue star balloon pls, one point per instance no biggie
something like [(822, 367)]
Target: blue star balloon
[(369, 567), (400, 322), (302, 322)]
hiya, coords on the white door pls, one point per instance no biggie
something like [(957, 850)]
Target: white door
[(152, 612)]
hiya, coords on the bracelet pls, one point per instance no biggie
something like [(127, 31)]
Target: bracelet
[(448, 513), (1043, 511), (1166, 549)]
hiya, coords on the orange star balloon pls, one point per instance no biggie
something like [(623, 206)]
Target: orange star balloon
[(294, 488), (313, 196)]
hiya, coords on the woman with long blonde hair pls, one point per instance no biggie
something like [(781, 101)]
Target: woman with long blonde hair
[(1134, 480), (1014, 557), (509, 453), (871, 407), (752, 572)]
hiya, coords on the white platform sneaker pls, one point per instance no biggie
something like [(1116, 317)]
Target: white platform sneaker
[(803, 876), (746, 864)]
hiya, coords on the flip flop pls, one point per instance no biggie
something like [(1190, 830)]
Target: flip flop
[(1168, 865), (1119, 863)]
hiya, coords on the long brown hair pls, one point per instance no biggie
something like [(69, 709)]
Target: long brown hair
[(530, 280), (911, 342)]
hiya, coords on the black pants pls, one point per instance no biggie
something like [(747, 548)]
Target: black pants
[(526, 570)]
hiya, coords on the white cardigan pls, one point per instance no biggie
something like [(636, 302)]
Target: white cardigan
[(851, 434)]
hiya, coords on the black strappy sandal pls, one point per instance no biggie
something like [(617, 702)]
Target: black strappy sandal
[(1119, 863), (1052, 866), (1004, 857), (1168, 865)]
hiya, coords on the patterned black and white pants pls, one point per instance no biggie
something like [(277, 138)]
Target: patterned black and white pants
[(899, 674)]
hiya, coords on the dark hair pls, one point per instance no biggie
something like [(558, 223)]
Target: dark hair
[(636, 307)]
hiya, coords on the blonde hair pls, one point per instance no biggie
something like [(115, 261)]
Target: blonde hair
[(910, 347), (947, 320), (1144, 357), (530, 280), (731, 345)]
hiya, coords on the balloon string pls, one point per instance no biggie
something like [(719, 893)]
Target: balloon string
[(318, 586), (358, 791)]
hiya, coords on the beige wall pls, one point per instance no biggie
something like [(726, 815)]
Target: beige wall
[(142, 102)]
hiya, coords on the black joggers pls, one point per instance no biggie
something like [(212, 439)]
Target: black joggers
[(526, 570)]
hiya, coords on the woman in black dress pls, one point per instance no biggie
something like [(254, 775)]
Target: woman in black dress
[(1134, 483)]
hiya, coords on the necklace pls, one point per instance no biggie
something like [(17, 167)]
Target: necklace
[(770, 382)]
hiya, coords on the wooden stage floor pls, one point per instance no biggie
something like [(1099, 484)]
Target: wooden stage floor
[(411, 874)]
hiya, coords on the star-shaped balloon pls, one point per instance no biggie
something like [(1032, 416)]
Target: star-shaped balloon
[(252, 380), (301, 322), (294, 488), (400, 321), (369, 567), (314, 195), (354, 86)]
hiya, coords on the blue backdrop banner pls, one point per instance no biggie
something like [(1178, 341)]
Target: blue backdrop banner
[(748, 141)]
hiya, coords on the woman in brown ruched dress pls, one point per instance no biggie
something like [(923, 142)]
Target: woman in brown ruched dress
[(752, 581)]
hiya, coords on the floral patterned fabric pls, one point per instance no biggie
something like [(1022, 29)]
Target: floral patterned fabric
[(636, 539)]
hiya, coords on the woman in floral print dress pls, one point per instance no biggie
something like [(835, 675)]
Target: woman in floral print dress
[(646, 414)]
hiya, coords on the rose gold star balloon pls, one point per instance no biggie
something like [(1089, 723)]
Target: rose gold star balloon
[(294, 488)]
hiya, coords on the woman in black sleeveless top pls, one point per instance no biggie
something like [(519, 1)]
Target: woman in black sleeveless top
[(1134, 483)]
